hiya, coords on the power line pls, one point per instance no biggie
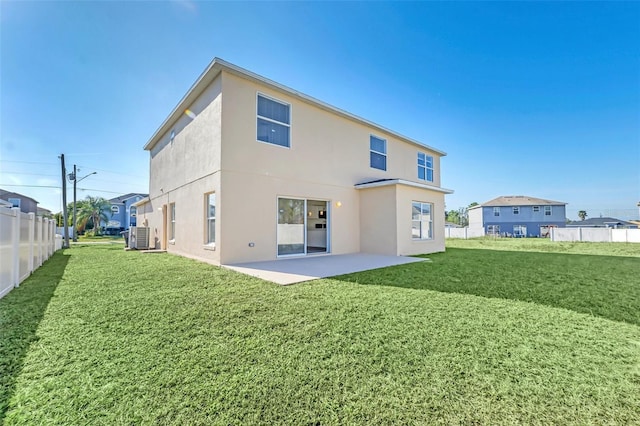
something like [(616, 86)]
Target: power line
[(59, 187), (101, 190), (31, 186), (28, 162), (111, 171), (26, 173), (54, 164)]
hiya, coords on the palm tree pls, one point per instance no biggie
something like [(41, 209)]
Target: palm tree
[(582, 214), (93, 209)]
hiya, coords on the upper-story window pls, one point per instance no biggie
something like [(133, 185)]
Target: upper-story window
[(274, 121), (378, 153), (496, 211), (547, 210), (516, 210), (15, 202), (425, 167), (536, 209), (115, 209)]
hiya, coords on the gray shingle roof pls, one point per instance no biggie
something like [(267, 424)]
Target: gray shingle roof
[(122, 198), (602, 222), (520, 200)]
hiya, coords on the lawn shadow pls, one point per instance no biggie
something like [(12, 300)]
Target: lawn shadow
[(604, 286), (20, 314)]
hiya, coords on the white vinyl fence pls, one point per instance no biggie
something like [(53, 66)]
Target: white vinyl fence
[(26, 241), (464, 233), (599, 235)]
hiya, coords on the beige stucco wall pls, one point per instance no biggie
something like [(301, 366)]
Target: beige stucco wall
[(385, 220), (407, 246), (325, 148), (183, 171), (378, 220), (218, 151), (250, 215), (329, 154)]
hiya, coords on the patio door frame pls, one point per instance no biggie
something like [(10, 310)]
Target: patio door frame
[(305, 215)]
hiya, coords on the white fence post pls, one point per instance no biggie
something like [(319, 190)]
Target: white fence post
[(15, 243), (40, 236), (32, 224)]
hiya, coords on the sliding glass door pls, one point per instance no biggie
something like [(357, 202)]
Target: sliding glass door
[(302, 226), (291, 223)]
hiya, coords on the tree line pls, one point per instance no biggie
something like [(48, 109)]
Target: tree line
[(89, 213), (459, 216)]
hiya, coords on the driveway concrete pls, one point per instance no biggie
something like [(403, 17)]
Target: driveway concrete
[(295, 270)]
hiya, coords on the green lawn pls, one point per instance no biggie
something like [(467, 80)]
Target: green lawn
[(103, 336)]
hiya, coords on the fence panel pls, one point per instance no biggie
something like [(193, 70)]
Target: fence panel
[(619, 235), (633, 235), (7, 219), (25, 243), (463, 233), (475, 232), (625, 235), (24, 246), (596, 235)]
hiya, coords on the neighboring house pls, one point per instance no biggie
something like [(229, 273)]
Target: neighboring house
[(245, 169), (452, 225), (602, 222), (122, 213), (26, 204), (518, 215), (44, 212)]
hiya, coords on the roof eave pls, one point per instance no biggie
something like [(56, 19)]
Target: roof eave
[(207, 76), (145, 200), (214, 69), (403, 182)]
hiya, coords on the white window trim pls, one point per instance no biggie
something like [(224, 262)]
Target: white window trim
[(515, 210), (209, 245), (548, 209), (430, 221), (386, 148), (172, 223), (536, 209), (425, 167), (274, 121), (496, 210), (115, 209)]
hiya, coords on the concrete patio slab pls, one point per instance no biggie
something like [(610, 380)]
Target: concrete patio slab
[(290, 271)]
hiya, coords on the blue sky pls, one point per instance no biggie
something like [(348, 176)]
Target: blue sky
[(539, 99)]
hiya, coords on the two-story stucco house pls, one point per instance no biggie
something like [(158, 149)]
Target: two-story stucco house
[(245, 169), (518, 215), (122, 213)]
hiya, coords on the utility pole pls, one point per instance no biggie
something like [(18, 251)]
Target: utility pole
[(65, 243), (75, 180)]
